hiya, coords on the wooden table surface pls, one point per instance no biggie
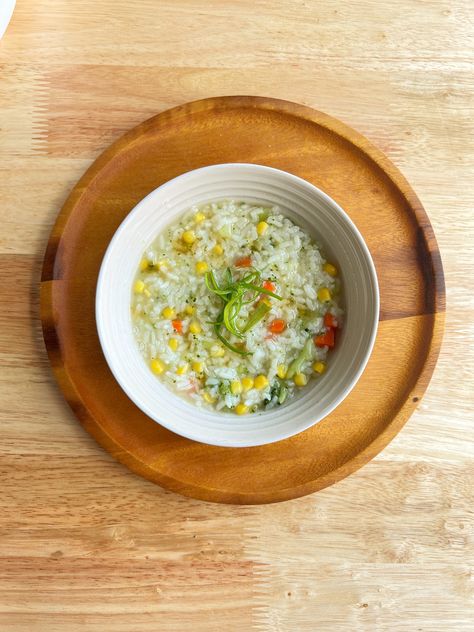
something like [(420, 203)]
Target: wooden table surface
[(85, 544)]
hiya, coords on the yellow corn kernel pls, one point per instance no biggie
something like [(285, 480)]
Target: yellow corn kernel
[(217, 250), (241, 409), (168, 313), (164, 263), (236, 387), (281, 371), (181, 370), (265, 300), (147, 292), (201, 267), (319, 367), (217, 352), (324, 295), (199, 217), (143, 264), (330, 269), (262, 228), (157, 366), (189, 309), (188, 237), (195, 327), (300, 379), (208, 398), (173, 344), (138, 287), (260, 382), (247, 383), (197, 367)]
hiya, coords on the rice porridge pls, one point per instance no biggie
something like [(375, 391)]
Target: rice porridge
[(235, 308)]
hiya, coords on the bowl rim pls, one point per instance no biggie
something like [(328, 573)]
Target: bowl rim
[(280, 435), (6, 14)]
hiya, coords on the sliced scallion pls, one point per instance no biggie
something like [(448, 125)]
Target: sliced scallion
[(236, 294), (260, 312)]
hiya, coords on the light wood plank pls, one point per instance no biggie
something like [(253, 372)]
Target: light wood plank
[(389, 549)]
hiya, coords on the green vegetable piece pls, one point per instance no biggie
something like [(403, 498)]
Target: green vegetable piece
[(283, 394), (303, 356), (224, 388), (217, 329), (260, 312), (260, 290)]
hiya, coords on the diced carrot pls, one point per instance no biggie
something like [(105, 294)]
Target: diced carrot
[(268, 285), (243, 262), (277, 326), (177, 326), (326, 339), (330, 320)]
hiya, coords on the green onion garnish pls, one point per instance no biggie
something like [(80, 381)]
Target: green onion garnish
[(260, 312), (236, 294)]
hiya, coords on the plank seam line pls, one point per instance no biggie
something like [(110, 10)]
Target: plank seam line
[(261, 581)]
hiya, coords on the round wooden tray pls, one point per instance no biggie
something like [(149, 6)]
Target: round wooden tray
[(343, 164)]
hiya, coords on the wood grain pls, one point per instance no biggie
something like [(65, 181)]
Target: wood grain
[(389, 548)]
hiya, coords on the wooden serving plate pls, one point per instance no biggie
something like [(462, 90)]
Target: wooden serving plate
[(375, 195)]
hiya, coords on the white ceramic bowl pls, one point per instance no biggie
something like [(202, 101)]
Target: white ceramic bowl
[(6, 12), (305, 205)]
